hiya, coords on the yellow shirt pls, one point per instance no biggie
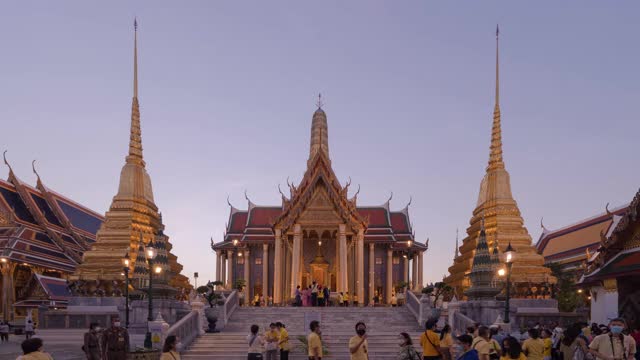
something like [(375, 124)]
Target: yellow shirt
[(168, 356), (447, 341), (284, 337), (522, 357), (427, 348), (361, 353), (346, 297), (321, 294), (602, 344), (314, 343), (481, 345), (340, 298), (547, 346), (534, 348)]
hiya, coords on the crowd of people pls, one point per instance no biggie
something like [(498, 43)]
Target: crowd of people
[(478, 342)]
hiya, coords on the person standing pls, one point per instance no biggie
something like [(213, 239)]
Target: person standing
[(340, 299), (28, 329), (548, 344), (430, 341), (284, 341), (256, 343), (170, 349), (272, 338), (314, 341), (115, 341), (314, 294), (446, 342), (511, 349), (614, 345), (327, 293), (91, 345), (4, 331), (571, 342), (482, 342), (468, 353), (32, 350), (320, 296), (298, 297), (358, 344), (635, 334), (305, 297), (346, 299), (533, 347), (407, 351)]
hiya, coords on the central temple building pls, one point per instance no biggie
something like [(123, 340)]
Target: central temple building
[(319, 234)]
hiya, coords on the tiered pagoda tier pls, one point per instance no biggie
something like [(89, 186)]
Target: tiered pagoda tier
[(319, 234), (503, 222), (42, 238), (132, 212)]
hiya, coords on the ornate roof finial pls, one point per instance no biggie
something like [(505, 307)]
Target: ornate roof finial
[(33, 167), (495, 157), (606, 208), (390, 197), (135, 137), (544, 229), (319, 133), (319, 103)]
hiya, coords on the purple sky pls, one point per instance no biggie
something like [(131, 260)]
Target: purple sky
[(227, 93)]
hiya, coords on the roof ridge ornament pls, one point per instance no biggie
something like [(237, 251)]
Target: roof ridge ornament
[(319, 103), (33, 167), (606, 208), (544, 229)]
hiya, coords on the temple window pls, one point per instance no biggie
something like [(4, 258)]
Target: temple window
[(378, 261), (258, 261)]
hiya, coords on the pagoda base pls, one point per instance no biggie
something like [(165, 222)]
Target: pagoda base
[(171, 311)]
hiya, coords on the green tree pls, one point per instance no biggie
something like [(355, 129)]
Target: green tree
[(567, 294)]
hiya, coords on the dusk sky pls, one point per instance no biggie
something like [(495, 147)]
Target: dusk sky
[(227, 91)]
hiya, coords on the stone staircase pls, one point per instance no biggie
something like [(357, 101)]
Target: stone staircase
[(337, 324)]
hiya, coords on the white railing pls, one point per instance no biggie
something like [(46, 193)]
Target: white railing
[(461, 322), (187, 328), (230, 305), (413, 304)]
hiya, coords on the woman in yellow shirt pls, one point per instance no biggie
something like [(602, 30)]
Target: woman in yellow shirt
[(170, 349), (446, 342), (548, 344), (511, 349), (533, 347), (284, 341)]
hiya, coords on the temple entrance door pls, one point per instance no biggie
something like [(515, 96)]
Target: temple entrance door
[(320, 273)]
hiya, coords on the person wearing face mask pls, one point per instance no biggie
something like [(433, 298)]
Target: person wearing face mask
[(614, 345), (91, 345), (358, 344), (115, 341), (170, 349), (468, 353), (407, 351)]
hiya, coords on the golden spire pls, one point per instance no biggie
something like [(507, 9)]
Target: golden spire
[(319, 132), (135, 139), (495, 157)]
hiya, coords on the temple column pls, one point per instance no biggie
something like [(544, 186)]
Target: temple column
[(223, 269), (420, 265), (265, 270), (247, 277), (389, 275), (287, 269), (295, 262), (337, 267), (8, 290), (360, 267), (342, 238), (277, 269), (372, 272), (230, 269), (218, 259), (406, 269), (414, 272)]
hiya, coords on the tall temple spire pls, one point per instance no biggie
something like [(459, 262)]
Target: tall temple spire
[(319, 132), (495, 156), (135, 138), (456, 254)]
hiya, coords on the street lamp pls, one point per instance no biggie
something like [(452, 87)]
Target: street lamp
[(126, 262), (235, 263), (150, 253), (509, 255)]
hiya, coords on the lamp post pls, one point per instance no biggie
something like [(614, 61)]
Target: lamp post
[(235, 263), (126, 262), (195, 277), (509, 255), (150, 253)]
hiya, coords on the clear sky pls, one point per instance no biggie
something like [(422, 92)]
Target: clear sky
[(227, 91)]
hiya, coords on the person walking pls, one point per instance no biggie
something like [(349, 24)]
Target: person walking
[(91, 345), (115, 341), (32, 350), (314, 294), (571, 342), (170, 349), (407, 351), (482, 342), (4, 331), (298, 297), (614, 345), (511, 349), (327, 293), (314, 341), (271, 338), (28, 329), (548, 344), (430, 341), (358, 344), (533, 347), (284, 341), (446, 342), (256, 343), (468, 353)]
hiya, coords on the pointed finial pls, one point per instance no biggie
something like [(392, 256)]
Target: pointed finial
[(495, 155), (135, 57), (409, 203), (390, 197), (544, 229), (33, 167), (319, 103), (229, 202), (4, 155), (245, 195), (606, 208), (497, 67), (457, 244)]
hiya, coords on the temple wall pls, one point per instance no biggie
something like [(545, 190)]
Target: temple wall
[(604, 305)]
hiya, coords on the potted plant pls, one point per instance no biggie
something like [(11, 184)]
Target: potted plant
[(211, 313)]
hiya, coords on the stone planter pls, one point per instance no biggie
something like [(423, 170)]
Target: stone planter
[(211, 314)]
